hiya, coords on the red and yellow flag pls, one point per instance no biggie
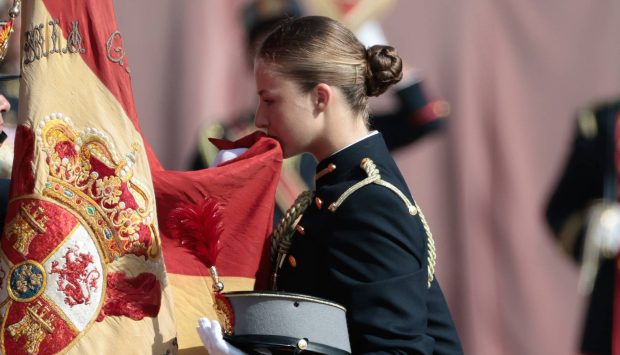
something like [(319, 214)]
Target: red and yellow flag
[(245, 187), (81, 266), (81, 261)]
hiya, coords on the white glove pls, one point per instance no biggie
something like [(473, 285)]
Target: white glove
[(228, 154), (602, 240), (210, 332)]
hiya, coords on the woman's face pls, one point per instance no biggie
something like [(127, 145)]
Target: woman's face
[(284, 111)]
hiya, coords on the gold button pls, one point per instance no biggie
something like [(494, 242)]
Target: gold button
[(318, 202), (292, 261), (300, 229)]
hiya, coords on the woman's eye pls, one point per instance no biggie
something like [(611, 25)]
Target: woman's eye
[(268, 102)]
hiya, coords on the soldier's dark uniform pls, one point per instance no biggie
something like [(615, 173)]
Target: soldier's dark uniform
[(580, 184), (363, 243)]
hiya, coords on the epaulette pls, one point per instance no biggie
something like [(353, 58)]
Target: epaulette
[(586, 120), (586, 117), (374, 177)]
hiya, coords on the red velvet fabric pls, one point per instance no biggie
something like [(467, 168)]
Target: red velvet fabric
[(133, 297), (22, 176), (246, 188)]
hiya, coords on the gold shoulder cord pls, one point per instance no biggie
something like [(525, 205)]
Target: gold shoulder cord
[(430, 246), (374, 176), (281, 236)]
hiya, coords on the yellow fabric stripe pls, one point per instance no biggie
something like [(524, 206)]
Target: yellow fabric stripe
[(192, 300)]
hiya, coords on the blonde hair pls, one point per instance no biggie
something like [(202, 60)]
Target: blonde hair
[(316, 49)]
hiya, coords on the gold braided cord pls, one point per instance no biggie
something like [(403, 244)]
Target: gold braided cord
[(430, 242), (374, 176), (282, 235), (410, 206), (369, 180), (430, 246)]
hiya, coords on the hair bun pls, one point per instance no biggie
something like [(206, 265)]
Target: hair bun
[(385, 68)]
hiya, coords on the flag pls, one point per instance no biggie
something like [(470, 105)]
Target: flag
[(81, 266), (81, 262), (245, 187)]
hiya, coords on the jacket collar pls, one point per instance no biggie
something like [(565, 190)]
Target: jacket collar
[(339, 166)]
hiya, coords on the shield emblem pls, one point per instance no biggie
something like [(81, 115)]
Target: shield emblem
[(57, 243), (52, 276)]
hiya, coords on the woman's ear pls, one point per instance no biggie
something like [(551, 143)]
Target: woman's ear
[(322, 95)]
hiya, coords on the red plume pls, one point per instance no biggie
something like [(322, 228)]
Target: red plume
[(198, 227)]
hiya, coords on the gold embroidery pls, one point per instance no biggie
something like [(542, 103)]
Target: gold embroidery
[(101, 200), (33, 326), (23, 228), (224, 314), (27, 280)]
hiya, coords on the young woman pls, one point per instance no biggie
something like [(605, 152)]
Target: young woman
[(361, 241)]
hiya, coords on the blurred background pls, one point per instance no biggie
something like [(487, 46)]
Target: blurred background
[(515, 74)]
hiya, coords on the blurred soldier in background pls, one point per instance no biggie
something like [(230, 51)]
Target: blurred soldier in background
[(584, 216)]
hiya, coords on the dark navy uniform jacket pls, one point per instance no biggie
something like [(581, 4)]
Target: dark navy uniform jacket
[(370, 255), (581, 183)]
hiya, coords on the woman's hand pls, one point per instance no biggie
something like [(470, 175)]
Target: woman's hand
[(210, 332)]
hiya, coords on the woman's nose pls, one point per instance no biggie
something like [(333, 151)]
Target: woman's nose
[(259, 120)]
